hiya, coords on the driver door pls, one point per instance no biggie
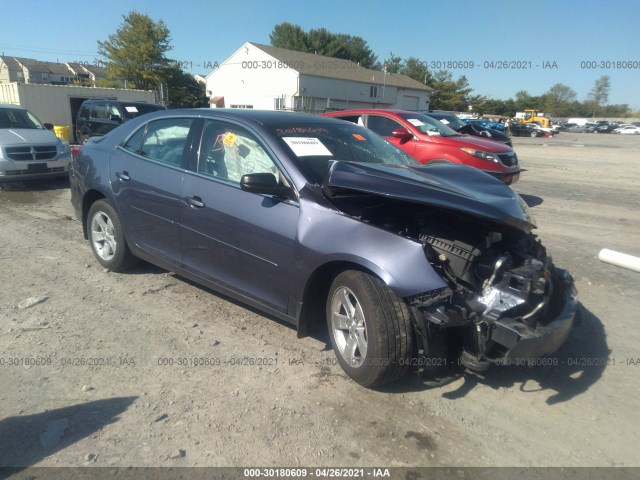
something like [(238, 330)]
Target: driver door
[(384, 127)]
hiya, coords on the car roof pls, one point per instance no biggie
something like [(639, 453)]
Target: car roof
[(393, 111), (10, 105), (114, 100), (263, 117), (440, 115)]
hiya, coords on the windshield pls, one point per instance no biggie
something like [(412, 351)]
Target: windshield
[(313, 145), (134, 110), (429, 125), (15, 118), (451, 121)]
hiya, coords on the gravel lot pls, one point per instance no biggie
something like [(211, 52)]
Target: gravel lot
[(104, 375)]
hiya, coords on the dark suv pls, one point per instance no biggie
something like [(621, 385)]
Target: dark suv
[(98, 116)]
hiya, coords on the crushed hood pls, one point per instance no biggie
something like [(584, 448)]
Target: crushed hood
[(453, 187)]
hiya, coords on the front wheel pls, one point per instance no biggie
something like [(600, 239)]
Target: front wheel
[(370, 328), (106, 237), (534, 134)]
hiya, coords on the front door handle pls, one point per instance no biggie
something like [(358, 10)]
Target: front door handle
[(123, 176), (195, 202)]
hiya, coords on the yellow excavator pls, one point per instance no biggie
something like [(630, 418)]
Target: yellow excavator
[(532, 116)]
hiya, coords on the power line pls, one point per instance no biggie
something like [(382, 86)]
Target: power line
[(47, 50)]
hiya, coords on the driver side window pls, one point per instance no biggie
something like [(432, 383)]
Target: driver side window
[(381, 125), (228, 151)]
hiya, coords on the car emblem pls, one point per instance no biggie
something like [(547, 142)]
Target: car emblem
[(34, 153)]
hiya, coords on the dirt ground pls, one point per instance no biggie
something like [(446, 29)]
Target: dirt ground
[(98, 368)]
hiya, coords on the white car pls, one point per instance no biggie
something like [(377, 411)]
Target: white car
[(28, 150), (628, 130)]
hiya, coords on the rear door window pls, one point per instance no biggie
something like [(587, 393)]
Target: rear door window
[(162, 140)]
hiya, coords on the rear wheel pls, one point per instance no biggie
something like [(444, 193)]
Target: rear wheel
[(534, 134), (370, 328), (106, 237)]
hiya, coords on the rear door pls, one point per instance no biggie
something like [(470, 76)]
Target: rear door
[(240, 240), (146, 175)]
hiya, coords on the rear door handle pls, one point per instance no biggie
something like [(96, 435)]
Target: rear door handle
[(195, 202), (124, 176)]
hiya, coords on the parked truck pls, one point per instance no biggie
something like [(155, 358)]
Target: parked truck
[(59, 104)]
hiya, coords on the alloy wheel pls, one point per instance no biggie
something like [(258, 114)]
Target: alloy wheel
[(349, 326)]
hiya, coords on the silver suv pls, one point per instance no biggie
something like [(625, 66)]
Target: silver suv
[(28, 150)]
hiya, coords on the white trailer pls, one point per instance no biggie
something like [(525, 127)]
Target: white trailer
[(59, 104), (578, 121)]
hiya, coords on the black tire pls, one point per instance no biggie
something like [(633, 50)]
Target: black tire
[(382, 324), (106, 237), (534, 134)]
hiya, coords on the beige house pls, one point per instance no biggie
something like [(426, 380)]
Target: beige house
[(29, 70)]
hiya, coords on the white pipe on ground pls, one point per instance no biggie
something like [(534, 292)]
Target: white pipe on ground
[(620, 259)]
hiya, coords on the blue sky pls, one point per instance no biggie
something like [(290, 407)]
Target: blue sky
[(534, 32)]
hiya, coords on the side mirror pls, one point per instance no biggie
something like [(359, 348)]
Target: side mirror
[(402, 134), (263, 183), (48, 126)]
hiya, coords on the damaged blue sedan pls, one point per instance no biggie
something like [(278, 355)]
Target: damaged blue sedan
[(321, 222)]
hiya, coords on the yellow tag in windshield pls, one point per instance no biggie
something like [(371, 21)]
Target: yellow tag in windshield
[(357, 136), (229, 139)]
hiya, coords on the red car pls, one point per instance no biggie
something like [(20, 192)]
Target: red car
[(428, 139)]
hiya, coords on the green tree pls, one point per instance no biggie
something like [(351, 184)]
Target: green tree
[(558, 100), (290, 36), (417, 69), (323, 42), (393, 64), (618, 110), (183, 89), (500, 107), (599, 94), (136, 52), (449, 94)]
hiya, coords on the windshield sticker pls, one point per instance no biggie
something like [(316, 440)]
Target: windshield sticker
[(307, 130), (357, 136), (307, 146), (445, 121), (415, 121), (131, 109), (229, 139)]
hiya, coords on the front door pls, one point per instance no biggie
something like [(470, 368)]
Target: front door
[(384, 126), (238, 239)]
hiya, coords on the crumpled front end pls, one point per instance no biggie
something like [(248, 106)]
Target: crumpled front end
[(505, 302)]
